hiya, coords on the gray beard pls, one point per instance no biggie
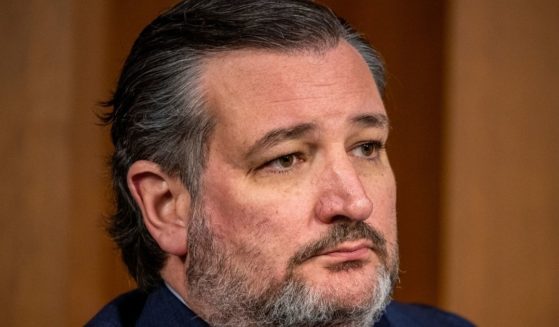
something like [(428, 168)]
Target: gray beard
[(231, 296)]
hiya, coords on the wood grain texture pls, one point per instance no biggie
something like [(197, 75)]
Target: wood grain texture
[(58, 264), (501, 250)]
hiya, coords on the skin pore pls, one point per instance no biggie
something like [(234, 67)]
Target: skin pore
[(297, 190)]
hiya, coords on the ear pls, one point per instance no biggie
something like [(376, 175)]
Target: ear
[(164, 203)]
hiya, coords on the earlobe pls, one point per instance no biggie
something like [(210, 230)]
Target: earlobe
[(164, 203)]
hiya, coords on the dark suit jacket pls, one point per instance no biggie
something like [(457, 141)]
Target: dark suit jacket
[(162, 308)]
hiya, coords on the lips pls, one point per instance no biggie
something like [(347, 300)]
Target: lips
[(348, 251), (345, 241)]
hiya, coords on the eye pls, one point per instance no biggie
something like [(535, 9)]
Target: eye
[(283, 163), (367, 150)]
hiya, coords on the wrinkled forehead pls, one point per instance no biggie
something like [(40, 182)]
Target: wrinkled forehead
[(252, 92), (256, 80)]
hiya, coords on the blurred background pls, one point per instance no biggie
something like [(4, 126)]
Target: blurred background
[(475, 146)]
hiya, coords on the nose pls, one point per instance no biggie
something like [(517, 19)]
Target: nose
[(341, 193)]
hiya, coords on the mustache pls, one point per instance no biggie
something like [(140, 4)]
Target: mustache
[(343, 231)]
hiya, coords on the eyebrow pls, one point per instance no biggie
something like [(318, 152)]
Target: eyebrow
[(279, 135), (372, 120)]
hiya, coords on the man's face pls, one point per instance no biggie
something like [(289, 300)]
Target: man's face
[(297, 183)]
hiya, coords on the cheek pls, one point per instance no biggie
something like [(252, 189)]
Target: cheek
[(383, 217), (267, 222)]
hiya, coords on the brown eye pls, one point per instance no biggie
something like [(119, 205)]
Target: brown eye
[(284, 164), (367, 149), (286, 161)]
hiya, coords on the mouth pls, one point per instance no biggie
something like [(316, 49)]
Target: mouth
[(345, 243), (348, 251)]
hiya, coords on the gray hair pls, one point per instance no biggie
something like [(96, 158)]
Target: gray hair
[(158, 107)]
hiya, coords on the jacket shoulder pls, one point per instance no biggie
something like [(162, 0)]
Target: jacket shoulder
[(416, 315), (122, 311), (136, 308)]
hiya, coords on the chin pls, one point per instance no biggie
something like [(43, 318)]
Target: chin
[(349, 283)]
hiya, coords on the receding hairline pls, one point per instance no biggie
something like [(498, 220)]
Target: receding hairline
[(205, 82), (322, 49)]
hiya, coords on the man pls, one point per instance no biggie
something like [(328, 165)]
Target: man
[(252, 183)]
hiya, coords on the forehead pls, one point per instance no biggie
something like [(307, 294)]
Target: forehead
[(252, 91)]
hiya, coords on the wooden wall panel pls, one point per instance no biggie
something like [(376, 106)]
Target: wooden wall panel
[(127, 19), (57, 263), (95, 268), (502, 183), (35, 190)]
